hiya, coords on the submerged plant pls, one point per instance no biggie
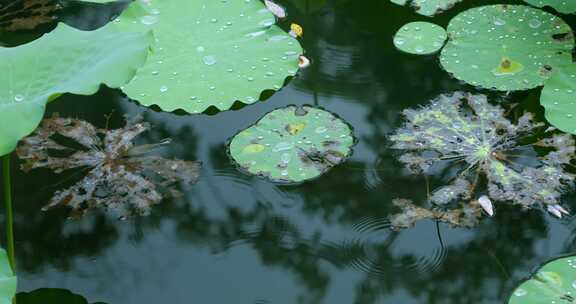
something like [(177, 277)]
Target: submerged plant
[(122, 177), (465, 129)]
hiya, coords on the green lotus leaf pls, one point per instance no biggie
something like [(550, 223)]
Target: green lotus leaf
[(558, 98), (7, 279), (563, 6), (63, 61), (555, 282), (50, 296), (293, 144), (209, 53), (506, 47), (420, 38), (428, 7)]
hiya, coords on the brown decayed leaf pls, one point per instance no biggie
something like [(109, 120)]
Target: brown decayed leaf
[(122, 177), (27, 14)]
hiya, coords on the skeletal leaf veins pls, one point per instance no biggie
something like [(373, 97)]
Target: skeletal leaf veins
[(122, 177), (497, 160)]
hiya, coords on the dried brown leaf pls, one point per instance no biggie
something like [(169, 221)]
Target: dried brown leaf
[(122, 178)]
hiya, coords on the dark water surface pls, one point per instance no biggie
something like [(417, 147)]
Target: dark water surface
[(237, 239)]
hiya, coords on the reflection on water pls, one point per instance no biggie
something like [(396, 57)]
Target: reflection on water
[(234, 238)]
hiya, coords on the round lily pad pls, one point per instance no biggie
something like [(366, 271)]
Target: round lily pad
[(420, 38), (293, 144), (555, 282), (506, 47), (559, 99), (209, 53), (563, 6)]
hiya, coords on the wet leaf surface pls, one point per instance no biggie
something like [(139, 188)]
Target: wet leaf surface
[(420, 38), (557, 98), (555, 282), (65, 60), (8, 280), (506, 47), (428, 7), (122, 178), (293, 144), (563, 6), (492, 154), (209, 53)]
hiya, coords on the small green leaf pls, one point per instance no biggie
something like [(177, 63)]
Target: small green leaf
[(420, 38), (563, 6), (209, 53), (63, 61), (293, 144), (555, 282), (429, 7), (8, 280), (506, 47), (558, 98)]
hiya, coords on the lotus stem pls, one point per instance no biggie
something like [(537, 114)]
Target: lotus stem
[(8, 207)]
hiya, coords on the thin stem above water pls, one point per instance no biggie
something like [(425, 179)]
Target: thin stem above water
[(8, 209)]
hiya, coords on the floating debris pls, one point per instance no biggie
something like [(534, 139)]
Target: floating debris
[(27, 14), (276, 9), (303, 62), (464, 129), (296, 30), (122, 177), (467, 215)]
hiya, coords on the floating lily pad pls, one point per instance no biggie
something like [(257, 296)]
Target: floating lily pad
[(209, 53), (63, 61), (559, 99), (428, 7), (293, 144), (555, 282), (506, 47), (7, 279), (420, 38), (563, 6)]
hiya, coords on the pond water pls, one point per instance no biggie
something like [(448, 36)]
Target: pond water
[(234, 238)]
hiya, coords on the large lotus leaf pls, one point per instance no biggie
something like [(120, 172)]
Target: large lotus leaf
[(7, 279), (50, 296), (64, 61), (506, 47), (209, 53), (559, 99), (563, 6), (293, 144), (555, 282), (428, 7), (420, 38)]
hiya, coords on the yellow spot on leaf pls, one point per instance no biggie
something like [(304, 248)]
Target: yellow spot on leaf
[(295, 128), (253, 148), (508, 67)]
